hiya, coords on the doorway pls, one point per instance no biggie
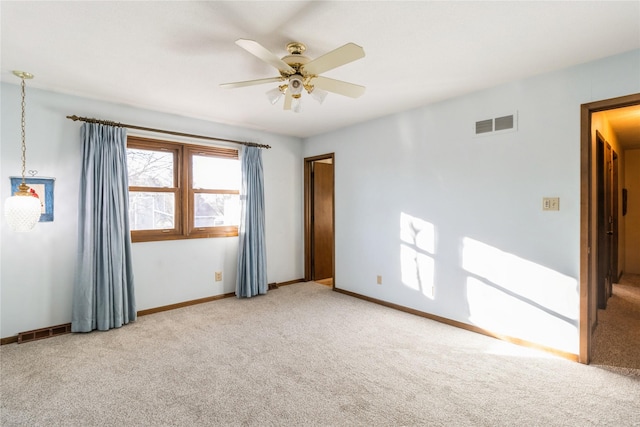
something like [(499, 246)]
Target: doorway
[(598, 219), (319, 214)]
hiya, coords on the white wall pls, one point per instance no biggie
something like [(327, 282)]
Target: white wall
[(484, 252), (37, 268)]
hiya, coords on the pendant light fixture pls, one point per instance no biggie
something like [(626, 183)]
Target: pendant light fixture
[(23, 209)]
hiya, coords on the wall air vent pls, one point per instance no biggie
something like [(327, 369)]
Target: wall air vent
[(503, 123), (497, 125), (484, 126)]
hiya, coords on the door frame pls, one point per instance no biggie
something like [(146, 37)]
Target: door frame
[(308, 208), (588, 206)]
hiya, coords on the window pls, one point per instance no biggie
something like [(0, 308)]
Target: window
[(182, 191)]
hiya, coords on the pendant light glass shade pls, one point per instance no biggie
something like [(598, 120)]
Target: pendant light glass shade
[(23, 209)]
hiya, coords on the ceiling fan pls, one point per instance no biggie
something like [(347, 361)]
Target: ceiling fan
[(302, 73)]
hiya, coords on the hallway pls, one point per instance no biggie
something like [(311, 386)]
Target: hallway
[(616, 339)]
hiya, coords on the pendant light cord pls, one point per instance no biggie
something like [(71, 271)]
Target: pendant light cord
[(23, 123)]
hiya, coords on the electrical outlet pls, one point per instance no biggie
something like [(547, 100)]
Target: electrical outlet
[(550, 203), (218, 276), (379, 280)]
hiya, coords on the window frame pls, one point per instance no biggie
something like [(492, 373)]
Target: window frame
[(183, 192)]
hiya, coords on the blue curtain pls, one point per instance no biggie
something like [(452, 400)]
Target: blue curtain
[(103, 295), (252, 251)]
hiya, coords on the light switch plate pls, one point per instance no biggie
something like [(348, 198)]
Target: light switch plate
[(551, 203)]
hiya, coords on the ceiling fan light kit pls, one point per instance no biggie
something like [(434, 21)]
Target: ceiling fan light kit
[(274, 95), (318, 94), (302, 73)]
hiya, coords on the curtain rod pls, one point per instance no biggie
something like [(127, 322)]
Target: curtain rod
[(169, 132)]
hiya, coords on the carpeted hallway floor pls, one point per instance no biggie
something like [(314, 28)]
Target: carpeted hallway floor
[(616, 340)]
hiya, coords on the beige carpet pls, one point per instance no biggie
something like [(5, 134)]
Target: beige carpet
[(616, 340), (301, 355)]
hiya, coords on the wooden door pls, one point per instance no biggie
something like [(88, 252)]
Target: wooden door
[(615, 272), (607, 220), (611, 208), (602, 255), (610, 253), (322, 220)]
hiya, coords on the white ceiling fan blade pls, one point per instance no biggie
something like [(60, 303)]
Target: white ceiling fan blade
[(337, 57), (338, 86), (266, 55), (287, 100), (251, 82)]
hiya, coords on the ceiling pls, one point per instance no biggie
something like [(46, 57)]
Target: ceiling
[(625, 122), (172, 56)]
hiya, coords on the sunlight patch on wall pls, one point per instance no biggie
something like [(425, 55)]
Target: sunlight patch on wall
[(516, 297), (416, 254)]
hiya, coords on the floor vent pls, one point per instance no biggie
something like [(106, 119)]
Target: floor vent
[(39, 334), (496, 125), (273, 286)]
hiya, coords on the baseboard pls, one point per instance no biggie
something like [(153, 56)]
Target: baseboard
[(184, 304), (207, 299), (461, 325), (9, 340), (290, 282)]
